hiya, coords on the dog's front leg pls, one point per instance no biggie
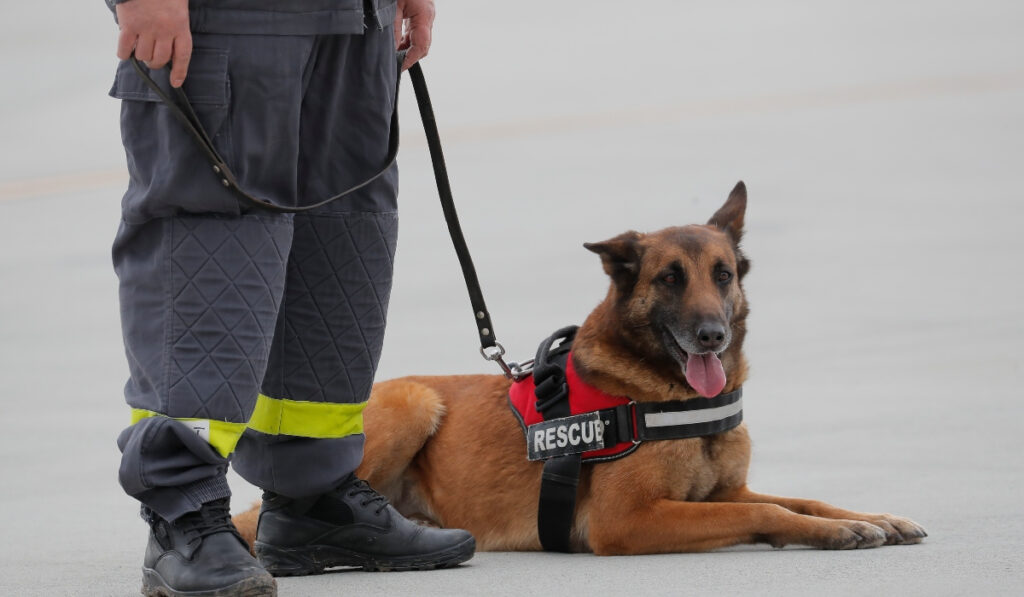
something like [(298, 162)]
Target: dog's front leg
[(898, 530), (665, 526)]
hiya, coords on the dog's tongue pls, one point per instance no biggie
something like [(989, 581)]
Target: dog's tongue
[(705, 374)]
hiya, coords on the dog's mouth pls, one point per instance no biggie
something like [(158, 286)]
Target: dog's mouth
[(704, 372)]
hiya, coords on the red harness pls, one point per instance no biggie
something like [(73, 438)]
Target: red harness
[(583, 398), (568, 422)]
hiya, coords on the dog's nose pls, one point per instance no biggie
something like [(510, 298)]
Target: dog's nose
[(711, 335)]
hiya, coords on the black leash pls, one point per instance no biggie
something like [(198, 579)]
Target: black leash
[(182, 110)]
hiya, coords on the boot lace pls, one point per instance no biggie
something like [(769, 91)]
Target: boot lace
[(360, 488), (213, 517)]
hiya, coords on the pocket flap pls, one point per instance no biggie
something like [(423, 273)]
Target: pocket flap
[(206, 82)]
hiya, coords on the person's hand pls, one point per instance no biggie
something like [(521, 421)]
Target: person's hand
[(418, 18), (158, 32)]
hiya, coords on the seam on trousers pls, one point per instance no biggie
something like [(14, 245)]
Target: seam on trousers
[(278, 329), (342, 214), (305, 284), (164, 391), (362, 263), (146, 437)]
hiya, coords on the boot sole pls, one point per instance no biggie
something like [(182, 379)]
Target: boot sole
[(314, 559), (153, 585)]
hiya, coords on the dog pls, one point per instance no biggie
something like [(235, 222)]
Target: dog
[(449, 451)]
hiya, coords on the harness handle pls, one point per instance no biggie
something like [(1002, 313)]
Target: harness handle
[(181, 109)]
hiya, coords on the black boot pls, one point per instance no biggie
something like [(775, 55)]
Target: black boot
[(201, 555), (352, 525)]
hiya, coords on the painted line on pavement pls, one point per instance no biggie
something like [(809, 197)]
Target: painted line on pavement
[(817, 99)]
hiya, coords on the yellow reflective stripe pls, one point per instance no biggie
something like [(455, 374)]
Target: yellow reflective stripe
[(222, 435), (321, 420)]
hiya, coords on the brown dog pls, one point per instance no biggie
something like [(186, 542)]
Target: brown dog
[(449, 450)]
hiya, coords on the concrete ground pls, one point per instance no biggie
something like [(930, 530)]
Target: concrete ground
[(882, 143)]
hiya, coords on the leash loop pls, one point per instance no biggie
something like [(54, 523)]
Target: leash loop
[(181, 109)]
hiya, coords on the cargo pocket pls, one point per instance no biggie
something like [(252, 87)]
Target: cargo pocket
[(169, 172)]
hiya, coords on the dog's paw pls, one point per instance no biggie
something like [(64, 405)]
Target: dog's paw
[(899, 530), (854, 534)]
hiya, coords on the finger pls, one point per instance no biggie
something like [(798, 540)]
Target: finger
[(182, 56), (161, 52), (144, 48), (405, 43), (419, 45), (125, 44), (397, 26)]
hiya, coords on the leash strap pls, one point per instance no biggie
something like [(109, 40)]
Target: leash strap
[(182, 110), (481, 315)]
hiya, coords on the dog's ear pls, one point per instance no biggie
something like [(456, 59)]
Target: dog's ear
[(620, 257), (729, 217)]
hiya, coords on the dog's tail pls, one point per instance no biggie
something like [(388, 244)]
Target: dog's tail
[(400, 417)]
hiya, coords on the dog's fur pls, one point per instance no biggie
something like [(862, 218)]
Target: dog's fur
[(449, 450)]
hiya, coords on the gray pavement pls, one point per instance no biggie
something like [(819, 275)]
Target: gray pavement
[(882, 143)]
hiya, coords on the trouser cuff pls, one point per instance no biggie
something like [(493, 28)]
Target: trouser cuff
[(171, 503)]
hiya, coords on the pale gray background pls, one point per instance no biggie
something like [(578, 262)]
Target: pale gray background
[(882, 145)]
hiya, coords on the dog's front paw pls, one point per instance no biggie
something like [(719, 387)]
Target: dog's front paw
[(854, 534), (899, 530)]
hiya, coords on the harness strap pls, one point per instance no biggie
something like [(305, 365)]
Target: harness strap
[(688, 418), (557, 506), (550, 385), (645, 421), (182, 110)]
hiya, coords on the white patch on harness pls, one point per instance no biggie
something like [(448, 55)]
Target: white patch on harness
[(690, 417), (568, 435)]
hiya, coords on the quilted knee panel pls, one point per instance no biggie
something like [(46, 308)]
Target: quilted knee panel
[(226, 280), (331, 325)]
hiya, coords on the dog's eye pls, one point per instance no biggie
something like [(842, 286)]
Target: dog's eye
[(724, 276), (670, 279)]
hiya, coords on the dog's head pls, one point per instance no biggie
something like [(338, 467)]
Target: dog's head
[(676, 300)]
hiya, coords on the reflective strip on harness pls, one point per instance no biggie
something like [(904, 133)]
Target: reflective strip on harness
[(321, 420), (222, 435), (692, 417)]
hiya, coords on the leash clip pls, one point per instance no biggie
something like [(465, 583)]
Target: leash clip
[(512, 370), (521, 371), (494, 353)]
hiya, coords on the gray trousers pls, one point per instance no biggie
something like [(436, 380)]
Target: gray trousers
[(227, 310)]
